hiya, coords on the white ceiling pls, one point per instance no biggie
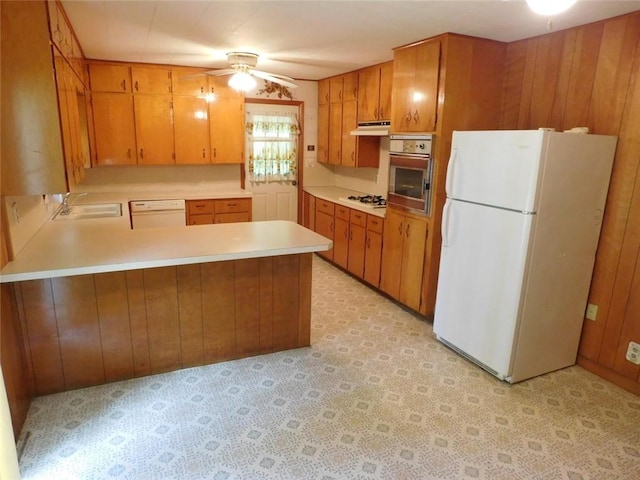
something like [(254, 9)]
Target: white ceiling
[(303, 39)]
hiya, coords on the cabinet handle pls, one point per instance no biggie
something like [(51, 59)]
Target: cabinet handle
[(355, 92), (199, 205), (232, 204), (401, 228), (368, 242), (407, 231), (331, 227), (201, 89), (142, 153), (380, 113), (375, 113), (124, 85), (128, 152), (408, 117), (350, 235), (204, 155), (416, 116), (353, 156), (136, 86)]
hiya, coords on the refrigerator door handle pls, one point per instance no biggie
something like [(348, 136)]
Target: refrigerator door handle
[(449, 181), (445, 223)]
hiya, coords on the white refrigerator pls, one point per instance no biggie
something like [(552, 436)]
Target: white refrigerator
[(520, 229)]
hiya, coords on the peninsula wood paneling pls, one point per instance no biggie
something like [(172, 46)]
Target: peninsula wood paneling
[(590, 76), (92, 329)]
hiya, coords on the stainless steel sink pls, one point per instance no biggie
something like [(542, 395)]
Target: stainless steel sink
[(90, 210)]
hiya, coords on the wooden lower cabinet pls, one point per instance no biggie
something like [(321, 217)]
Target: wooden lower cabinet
[(373, 250), (92, 329), (403, 253), (208, 211), (356, 235)]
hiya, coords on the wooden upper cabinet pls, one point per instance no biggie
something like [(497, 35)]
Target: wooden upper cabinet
[(187, 81), (110, 78), (191, 129), (349, 122), (323, 132), (415, 87), (154, 129), (350, 87), (335, 90), (115, 131), (335, 133), (31, 147), (151, 80), (323, 92), (374, 93), (226, 124)]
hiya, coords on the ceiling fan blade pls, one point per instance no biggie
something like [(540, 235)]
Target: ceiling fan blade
[(272, 77), (216, 73)]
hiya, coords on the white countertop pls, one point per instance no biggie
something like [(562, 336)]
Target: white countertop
[(97, 245), (337, 194)]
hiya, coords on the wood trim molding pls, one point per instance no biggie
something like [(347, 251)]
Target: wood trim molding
[(623, 382)]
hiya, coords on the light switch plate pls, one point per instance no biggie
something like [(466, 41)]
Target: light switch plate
[(592, 311)]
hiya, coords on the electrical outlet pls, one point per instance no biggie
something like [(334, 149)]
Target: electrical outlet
[(592, 311), (633, 353)]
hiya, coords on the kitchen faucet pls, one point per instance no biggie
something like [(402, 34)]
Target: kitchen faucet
[(64, 210)]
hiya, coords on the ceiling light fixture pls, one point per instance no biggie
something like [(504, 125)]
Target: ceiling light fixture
[(550, 7), (242, 81)]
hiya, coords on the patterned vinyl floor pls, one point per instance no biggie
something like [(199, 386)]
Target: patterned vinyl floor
[(376, 396)]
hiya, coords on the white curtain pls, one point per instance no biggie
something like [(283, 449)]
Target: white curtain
[(273, 146)]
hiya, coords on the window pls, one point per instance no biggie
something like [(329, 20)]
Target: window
[(273, 146)]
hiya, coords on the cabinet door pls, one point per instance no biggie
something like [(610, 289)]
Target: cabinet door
[(357, 244), (415, 236), (323, 92), (109, 78), (350, 87), (236, 217), (384, 98), (372, 258), (154, 129), (425, 97), (115, 132), (349, 122), (415, 87), (335, 133), (341, 242), (392, 253), (226, 123), (323, 133), (324, 226), (335, 90), (368, 94), (191, 128), (156, 81), (309, 211), (186, 81), (200, 219)]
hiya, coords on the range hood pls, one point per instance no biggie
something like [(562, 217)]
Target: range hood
[(372, 129)]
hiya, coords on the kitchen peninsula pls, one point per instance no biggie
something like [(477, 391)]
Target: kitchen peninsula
[(101, 302)]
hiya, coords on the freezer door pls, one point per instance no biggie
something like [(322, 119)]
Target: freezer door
[(499, 168), (480, 281)]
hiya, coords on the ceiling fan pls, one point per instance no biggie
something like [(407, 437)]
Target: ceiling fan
[(242, 68)]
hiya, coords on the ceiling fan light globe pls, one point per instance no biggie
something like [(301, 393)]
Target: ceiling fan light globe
[(242, 82), (550, 7)]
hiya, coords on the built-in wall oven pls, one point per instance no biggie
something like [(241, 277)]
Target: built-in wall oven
[(410, 170)]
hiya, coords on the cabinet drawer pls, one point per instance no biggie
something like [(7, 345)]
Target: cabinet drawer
[(231, 217), (233, 205), (200, 219), (200, 206), (375, 224), (358, 218), (342, 212), (325, 206)]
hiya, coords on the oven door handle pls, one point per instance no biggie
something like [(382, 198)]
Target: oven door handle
[(450, 171)]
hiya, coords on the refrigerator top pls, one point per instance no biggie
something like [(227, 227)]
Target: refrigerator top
[(496, 168)]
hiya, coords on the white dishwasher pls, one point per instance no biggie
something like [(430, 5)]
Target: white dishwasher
[(157, 213)]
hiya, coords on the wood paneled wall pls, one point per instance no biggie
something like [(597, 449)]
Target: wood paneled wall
[(590, 76), (91, 329)]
